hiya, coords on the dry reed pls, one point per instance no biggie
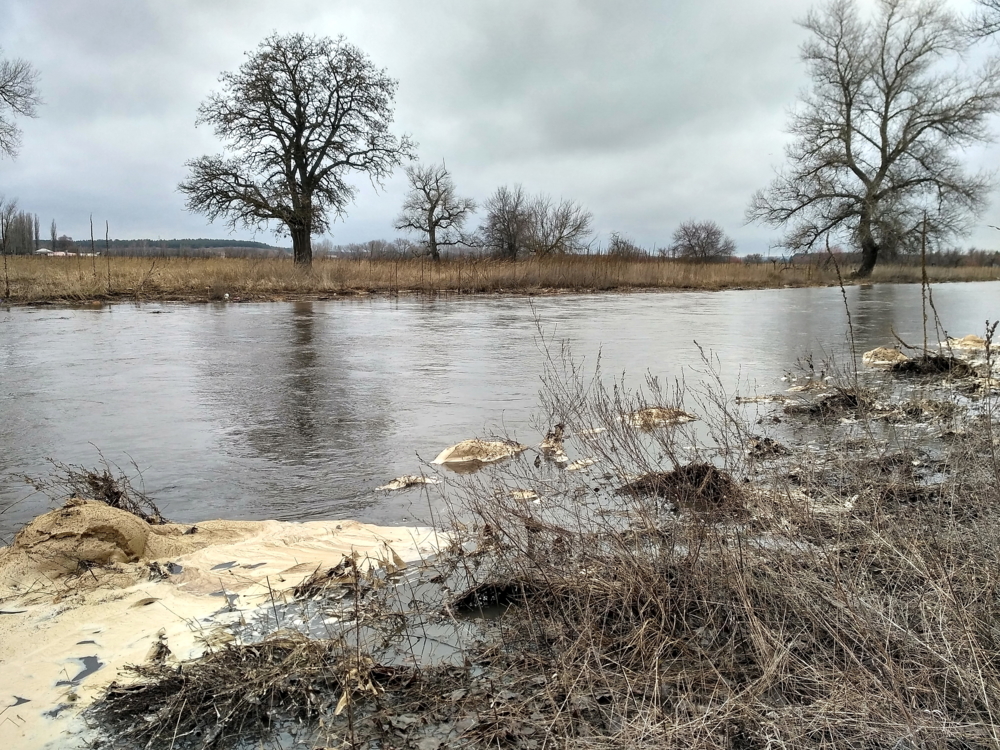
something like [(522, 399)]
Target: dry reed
[(72, 280)]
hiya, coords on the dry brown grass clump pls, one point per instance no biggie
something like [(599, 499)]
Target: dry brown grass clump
[(38, 279), (107, 484), (855, 606)]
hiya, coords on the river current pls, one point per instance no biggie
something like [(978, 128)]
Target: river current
[(300, 410)]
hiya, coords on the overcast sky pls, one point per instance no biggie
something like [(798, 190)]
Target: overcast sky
[(648, 112)]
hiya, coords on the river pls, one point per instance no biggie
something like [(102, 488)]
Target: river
[(300, 410)]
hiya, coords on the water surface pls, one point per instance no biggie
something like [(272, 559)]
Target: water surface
[(300, 410)]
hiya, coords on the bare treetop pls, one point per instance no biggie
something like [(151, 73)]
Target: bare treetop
[(986, 22), (702, 242), (559, 228), (432, 208), (516, 223), (299, 116), (18, 97), (877, 136)]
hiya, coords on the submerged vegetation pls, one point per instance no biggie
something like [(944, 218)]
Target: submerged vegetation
[(768, 575), (36, 280)]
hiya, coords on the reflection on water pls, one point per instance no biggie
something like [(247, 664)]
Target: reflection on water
[(300, 410)]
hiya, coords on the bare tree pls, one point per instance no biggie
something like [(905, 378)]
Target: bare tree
[(300, 115), (702, 242), (876, 138), (506, 230), (18, 97), (8, 212), (620, 246), (559, 228), (432, 208), (52, 235), (986, 21)]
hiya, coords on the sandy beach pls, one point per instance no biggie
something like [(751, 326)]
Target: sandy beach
[(87, 589)]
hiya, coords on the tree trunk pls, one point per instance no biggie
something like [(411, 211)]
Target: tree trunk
[(869, 249), (432, 244), (301, 243)]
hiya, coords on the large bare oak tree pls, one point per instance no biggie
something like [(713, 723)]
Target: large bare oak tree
[(18, 97), (433, 209), (877, 138), (300, 116)]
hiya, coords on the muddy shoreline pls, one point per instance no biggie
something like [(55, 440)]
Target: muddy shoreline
[(820, 572)]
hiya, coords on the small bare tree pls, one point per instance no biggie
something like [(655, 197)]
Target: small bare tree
[(701, 242), (300, 115), (432, 208), (18, 97), (559, 228), (506, 230), (876, 138), (620, 246)]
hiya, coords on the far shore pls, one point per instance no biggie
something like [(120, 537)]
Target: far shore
[(80, 280)]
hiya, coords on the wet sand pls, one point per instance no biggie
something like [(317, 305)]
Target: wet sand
[(86, 590)]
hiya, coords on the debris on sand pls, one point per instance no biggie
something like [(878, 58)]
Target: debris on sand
[(769, 398), (407, 481), (764, 448), (809, 385), (90, 582), (524, 495), (883, 356), (699, 487), (552, 446), (101, 485), (934, 365), (229, 689), (478, 451), (839, 402), (658, 416)]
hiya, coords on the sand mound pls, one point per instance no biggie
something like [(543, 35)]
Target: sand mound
[(967, 342), (80, 533), (883, 355), (87, 534), (479, 451), (659, 416)]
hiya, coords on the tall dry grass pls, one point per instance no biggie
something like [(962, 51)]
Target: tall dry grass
[(38, 279)]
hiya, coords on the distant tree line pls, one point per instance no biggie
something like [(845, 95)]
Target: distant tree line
[(18, 229)]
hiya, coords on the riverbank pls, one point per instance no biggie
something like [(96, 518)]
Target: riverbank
[(39, 280), (815, 568)]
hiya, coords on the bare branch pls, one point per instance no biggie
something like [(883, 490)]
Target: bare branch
[(18, 97)]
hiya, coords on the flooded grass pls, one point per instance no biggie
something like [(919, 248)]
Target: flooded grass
[(38, 280), (694, 585)]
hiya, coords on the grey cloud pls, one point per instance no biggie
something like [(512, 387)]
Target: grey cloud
[(649, 112)]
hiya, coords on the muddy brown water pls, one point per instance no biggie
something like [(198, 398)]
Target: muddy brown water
[(299, 410)]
